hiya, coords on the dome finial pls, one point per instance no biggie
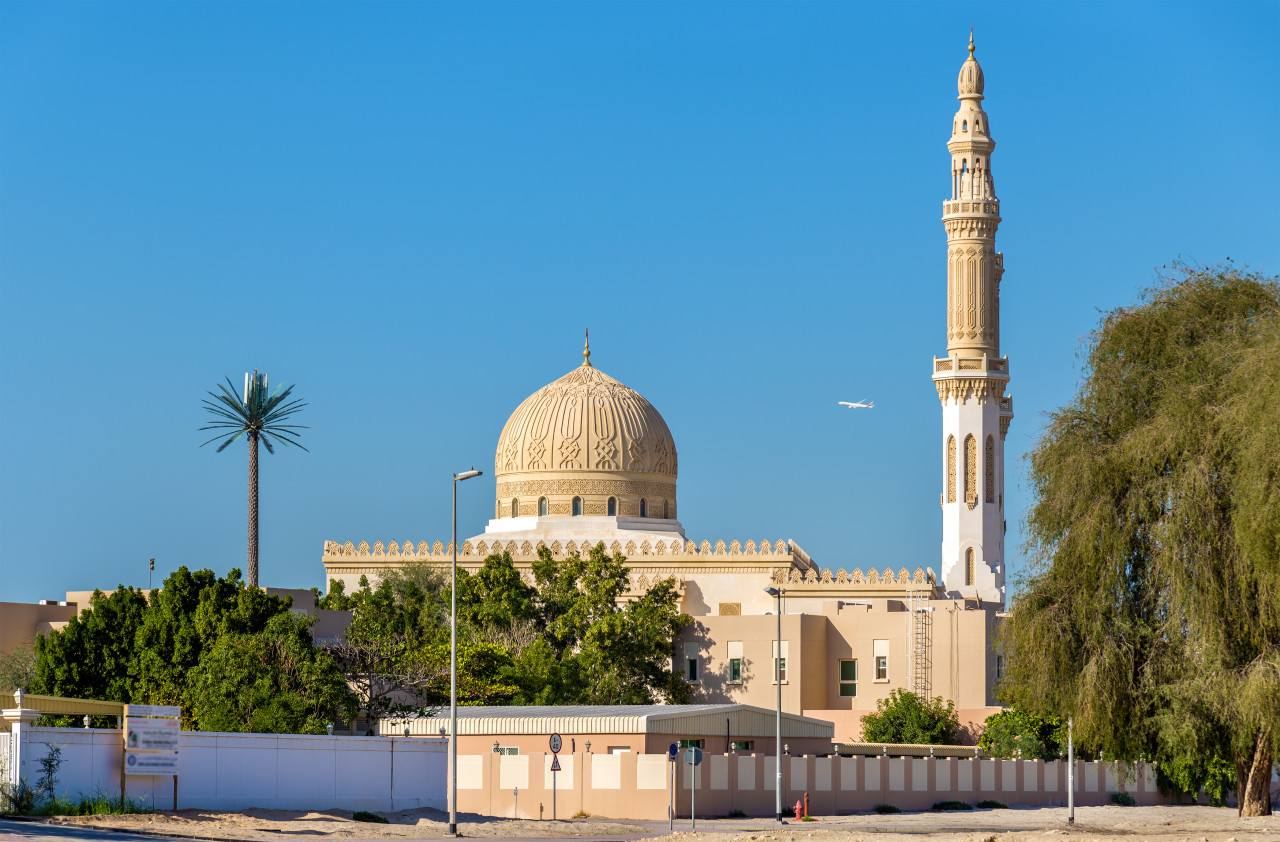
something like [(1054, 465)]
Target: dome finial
[(586, 349), (970, 40)]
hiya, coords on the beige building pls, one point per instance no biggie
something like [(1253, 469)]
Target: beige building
[(586, 459)]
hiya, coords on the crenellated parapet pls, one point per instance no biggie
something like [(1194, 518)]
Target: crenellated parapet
[(796, 580), (675, 549)]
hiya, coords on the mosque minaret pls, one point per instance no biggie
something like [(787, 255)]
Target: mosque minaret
[(971, 379)]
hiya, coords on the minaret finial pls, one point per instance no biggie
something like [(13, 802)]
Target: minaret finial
[(586, 349), (970, 40)]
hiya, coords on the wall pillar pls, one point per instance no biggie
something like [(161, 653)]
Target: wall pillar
[(20, 721)]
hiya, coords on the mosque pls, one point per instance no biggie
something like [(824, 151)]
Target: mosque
[(586, 459)]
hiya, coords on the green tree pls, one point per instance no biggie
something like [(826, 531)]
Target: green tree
[(904, 717), (273, 681), (186, 617), (18, 668), (1014, 733), (1151, 612), (89, 658), (596, 651), (257, 416)]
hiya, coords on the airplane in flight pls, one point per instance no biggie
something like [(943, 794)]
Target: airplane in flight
[(859, 404)]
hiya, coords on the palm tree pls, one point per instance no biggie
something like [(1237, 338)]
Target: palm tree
[(258, 415)]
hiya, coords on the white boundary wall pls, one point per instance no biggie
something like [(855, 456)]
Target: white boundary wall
[(220, 771)]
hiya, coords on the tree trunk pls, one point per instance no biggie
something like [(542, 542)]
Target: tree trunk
[(252, 576), (1253, 776)]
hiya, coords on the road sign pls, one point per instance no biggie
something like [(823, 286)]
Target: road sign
[(555, 763), (693, 756), (672, 750), (152, 734), (556, 743), (150, 763)]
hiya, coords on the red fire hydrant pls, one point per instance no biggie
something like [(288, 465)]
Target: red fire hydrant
[(798, 808)]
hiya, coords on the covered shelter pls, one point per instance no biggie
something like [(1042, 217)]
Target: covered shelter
[(617, 729)]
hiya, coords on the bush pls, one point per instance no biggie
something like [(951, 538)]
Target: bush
[(1123, 799), (904, 717), (885, 809), (581, 814), (1010, 731), (366, 816), (992, 805), (737, 814), (952, 805)]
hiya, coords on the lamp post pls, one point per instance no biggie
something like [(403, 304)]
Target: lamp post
[(453, 663), (777, 593)]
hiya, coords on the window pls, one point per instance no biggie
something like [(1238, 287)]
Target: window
[(577, 505), (665, 510), (990, 473), (999, 667), (691, 670), (742, 745), (689, 743), (613, 506), (968, 567), (970, 471), (880, 651), (964, 127), (515, 507), (644, 508), (619, 749), (780, 662), (848, 678), (510, 751), (735, 670), (542, 507), (951, 469)]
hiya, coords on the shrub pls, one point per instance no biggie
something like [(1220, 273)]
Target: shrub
[(992, 805), (737, 814), (807, 819), (885, 809), (366, 816), (582, 815), (1010, 731), (1123, 799), (952, 805), (904, 717)]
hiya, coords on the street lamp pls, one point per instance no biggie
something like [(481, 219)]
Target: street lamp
[(453, 663), (777, 593)]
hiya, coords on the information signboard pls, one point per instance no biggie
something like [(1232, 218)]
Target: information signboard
[(152, 734), (150, 763)]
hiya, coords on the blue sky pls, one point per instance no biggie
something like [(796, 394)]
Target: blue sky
[(412, 210)]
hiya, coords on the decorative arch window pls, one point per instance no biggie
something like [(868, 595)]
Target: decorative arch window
[(964, 127), (577, 506), (644, 508), (951, 469), (613, 506), (990, 469), (968, 567), (970, 470), (515, 507), (666, 512), (542, 507)]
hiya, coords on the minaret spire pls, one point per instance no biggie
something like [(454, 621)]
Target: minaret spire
[(586, 348), (971, 379)]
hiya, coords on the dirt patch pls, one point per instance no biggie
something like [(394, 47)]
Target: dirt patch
[(1048, 824), (424, 823)]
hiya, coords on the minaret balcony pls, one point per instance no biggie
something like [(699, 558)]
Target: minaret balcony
[(970, 366), (971, 207)]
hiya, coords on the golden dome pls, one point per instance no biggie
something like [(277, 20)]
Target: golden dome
[(586, 445)]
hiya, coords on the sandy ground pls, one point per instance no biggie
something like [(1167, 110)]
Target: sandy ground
[(1160, 824)]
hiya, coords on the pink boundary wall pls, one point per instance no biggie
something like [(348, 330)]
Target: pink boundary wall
[(636, 786)]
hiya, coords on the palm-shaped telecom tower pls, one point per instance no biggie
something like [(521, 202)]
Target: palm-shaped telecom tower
[(256, 415)]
